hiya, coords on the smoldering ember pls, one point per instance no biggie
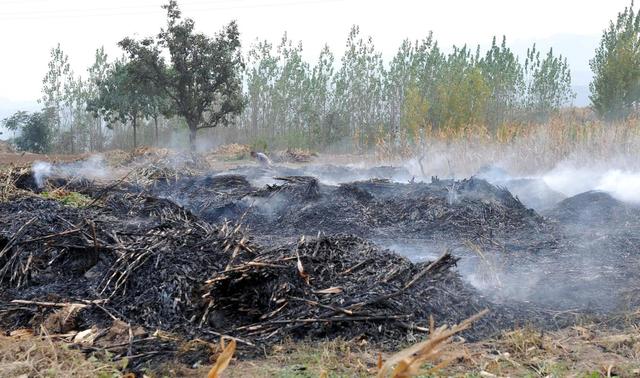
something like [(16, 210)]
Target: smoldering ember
[(162, 244)]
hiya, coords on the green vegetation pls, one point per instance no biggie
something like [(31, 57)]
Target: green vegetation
[(203, 82), (184, 80), (421, 89), (73, 199), (121, 98), (34, 130), (615, 90)]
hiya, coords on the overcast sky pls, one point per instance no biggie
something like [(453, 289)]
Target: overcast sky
[(30, 28)]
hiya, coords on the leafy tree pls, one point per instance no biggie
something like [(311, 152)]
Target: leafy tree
[(359, 88), (262, 72), (548, 84), (415, 113), (78, 120), (122, 98), (97, 75), (503, 75), (615, 89), (461, 91), (399, 78), (34, 130), (202, 83), (428, 63), (290, 90), (319, 100), (55, 86)]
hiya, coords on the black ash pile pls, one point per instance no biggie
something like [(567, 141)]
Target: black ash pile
[(457, 211), (147, 262), (579, 257), (264, 255)]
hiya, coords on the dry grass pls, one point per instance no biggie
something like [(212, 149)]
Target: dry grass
[(580, 351), (223, 359), (117, 158), (488, 270), (233, 151), (337, 358), (7, 183), (8, 178), (522, 342), (5, 147), (520, 148), (151, 152), (25, 355), (409, 362), (584, 351)]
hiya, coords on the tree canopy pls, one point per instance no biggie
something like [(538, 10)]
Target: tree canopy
[(34, 128), (122, 97), (180, 77), (202, 81), (615, 89)]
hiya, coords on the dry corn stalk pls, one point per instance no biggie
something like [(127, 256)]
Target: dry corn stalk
[(223, 359), (407, 362)]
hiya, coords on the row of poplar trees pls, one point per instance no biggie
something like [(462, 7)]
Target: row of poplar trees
[(363, 98), (271, 94)]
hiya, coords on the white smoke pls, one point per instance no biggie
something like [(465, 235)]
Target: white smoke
[(41, 171), (570, 180), (93, 168), (623, 185)]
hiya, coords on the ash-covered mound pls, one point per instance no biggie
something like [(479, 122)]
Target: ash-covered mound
[(509, 253), (342, 286), (596, 209), (443, 209)]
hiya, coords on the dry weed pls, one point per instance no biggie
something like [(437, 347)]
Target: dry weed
[(523, 342), (233, 151), (31, 356), (223, 360), (408, 362)]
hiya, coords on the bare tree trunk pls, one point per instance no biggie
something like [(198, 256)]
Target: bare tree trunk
[(155, 121), (72, 138), (134, 124), (100, 141), (193, 130)]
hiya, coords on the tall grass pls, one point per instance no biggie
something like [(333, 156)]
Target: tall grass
[(573, 137)]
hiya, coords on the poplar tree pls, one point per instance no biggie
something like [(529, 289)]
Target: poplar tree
[(615, 89)]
